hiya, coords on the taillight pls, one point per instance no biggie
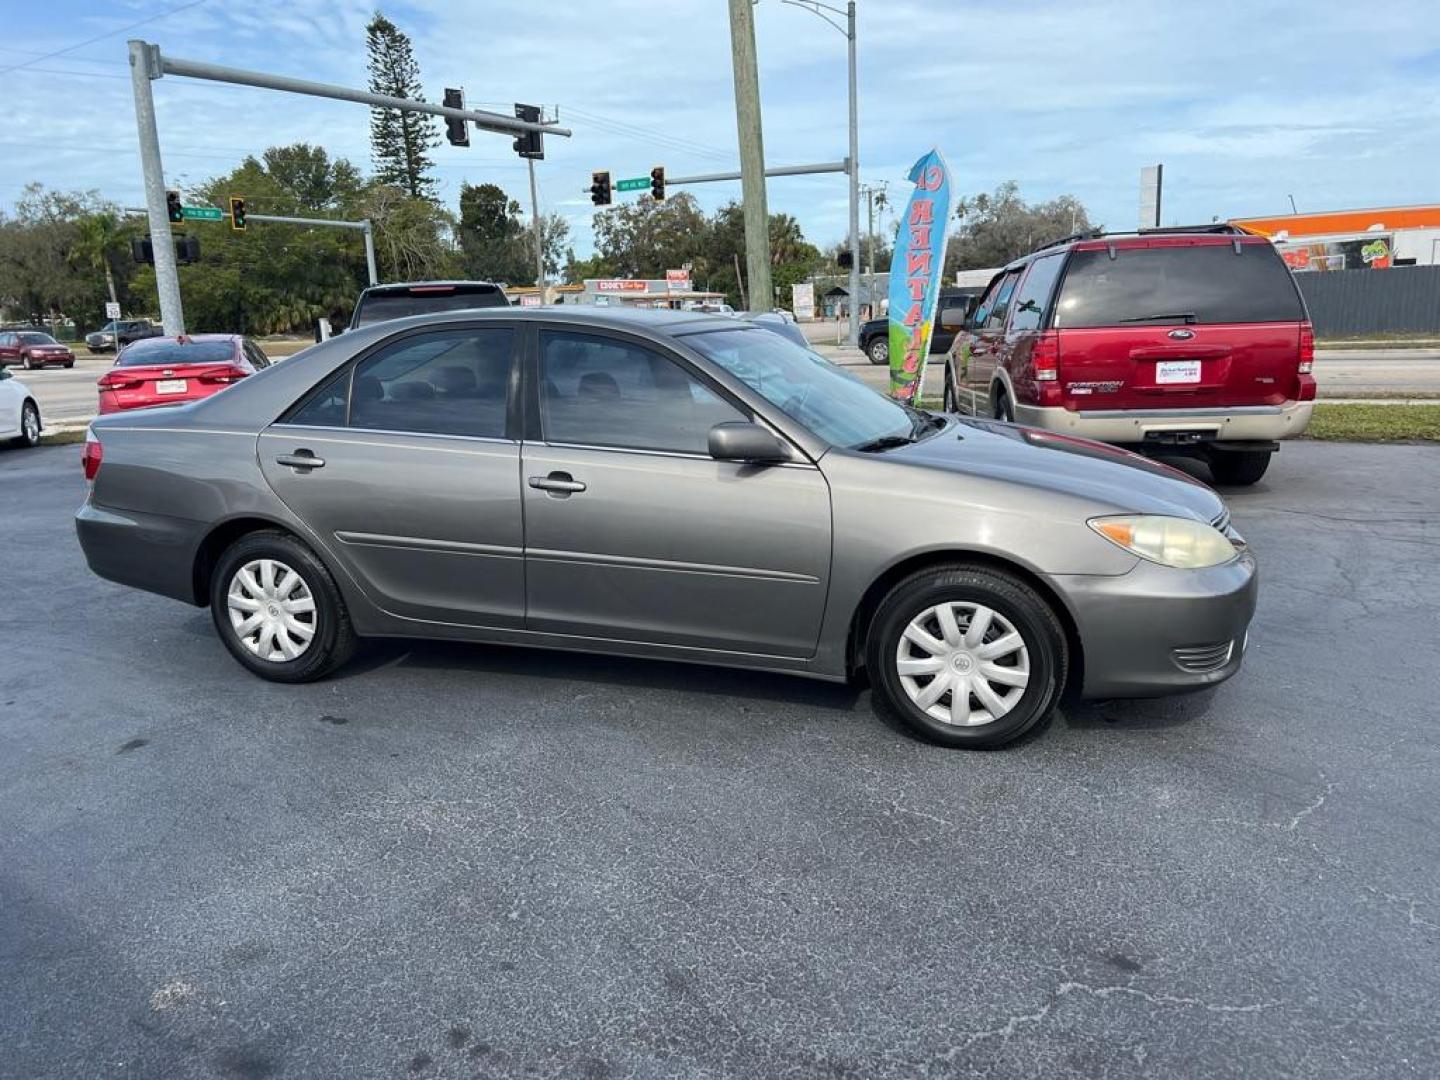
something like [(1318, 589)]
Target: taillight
[(1045, 357), (222, 375), (93, 455), (115, 380), (1307, 349)]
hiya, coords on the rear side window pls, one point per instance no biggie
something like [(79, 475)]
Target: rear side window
[(424, 299), (453, 382), (1034, 293), (996, 317), (1177, 285)]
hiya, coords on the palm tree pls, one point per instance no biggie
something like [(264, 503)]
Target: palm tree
[(97, 237)]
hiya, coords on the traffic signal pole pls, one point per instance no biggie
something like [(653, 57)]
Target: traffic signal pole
[(167, 274)]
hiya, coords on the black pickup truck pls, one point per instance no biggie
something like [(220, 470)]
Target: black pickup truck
[(875, 333)]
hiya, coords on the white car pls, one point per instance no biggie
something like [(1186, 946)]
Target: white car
[(19, 414)]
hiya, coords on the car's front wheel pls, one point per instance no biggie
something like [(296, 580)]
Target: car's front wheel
[(277, 609), (879, 351), (966, 656), (27, 363)]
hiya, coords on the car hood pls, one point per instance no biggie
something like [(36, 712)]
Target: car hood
[(1089, 470)]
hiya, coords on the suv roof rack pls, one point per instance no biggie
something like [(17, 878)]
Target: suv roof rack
[(1218, 228)]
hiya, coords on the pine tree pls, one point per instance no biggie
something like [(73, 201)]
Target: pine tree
[(399, 141)]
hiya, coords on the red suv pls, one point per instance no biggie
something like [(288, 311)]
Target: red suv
[(1183, 340)]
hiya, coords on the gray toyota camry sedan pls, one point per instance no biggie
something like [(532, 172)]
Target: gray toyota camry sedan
[(667, 485)]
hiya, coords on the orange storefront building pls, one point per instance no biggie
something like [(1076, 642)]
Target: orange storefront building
[(1376, 239)]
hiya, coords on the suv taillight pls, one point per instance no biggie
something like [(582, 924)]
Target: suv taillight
[(1045, 357), (1307, 349), (93, 455)]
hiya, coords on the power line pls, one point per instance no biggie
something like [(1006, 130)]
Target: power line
[(102, 37)]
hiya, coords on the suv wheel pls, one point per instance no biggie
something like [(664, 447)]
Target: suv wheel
[(1238, 468), (1002, 408), (879, 351), (278, 611), (965, 656)]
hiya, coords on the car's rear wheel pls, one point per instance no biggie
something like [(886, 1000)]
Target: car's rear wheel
[(30, 424), (879, 351), (27, 363), (966, 656), (277, 609), (1238, 468), (1002, 409)]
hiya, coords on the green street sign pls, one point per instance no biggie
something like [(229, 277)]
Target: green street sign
[(202, 213), (638, 183)]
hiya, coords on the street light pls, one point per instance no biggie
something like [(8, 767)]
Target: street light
[(816, 7)]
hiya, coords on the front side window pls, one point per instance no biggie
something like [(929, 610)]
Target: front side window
[(597, 391), (453, 382), (809, 389)]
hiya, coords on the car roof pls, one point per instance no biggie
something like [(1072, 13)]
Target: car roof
[(185, 339), (402, 285), (662, 321)]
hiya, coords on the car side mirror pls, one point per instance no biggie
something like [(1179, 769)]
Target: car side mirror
[(743, 441), (952, 318)]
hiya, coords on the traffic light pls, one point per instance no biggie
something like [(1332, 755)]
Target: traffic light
[(600, 188), (142, 251), (846, 259), (657, 183), (457, 131), (529, 144), (172, 206), (237, 213), (187, 249)]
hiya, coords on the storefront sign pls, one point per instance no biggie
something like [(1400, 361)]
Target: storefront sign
[(802, 300), (619, 285), (915, 274)]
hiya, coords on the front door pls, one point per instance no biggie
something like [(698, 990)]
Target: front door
[(403, 466), (634, 533)]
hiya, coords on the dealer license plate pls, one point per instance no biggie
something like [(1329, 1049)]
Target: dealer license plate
[(178, 386), (1177, 371)]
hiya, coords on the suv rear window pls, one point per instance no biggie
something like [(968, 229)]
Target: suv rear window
[(424, 300), (1156, 286)]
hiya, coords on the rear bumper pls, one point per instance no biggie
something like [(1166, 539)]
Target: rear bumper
[(145, 551), (1251, 423), (1158, 631)]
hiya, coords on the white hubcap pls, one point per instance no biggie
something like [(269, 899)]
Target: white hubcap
[(31, 425), (271, 610), (963, 664)]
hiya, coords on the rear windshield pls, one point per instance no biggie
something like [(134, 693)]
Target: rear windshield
[(1163, 285), (378, 307), (157, 351)]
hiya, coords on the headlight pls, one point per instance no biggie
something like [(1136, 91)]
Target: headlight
[(1169, 541)]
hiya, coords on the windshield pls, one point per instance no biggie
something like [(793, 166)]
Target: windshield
[(37, 339), (424, 300), (162, 351), (809, 389)]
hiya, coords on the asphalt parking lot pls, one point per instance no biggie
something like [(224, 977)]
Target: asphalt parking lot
[(464, 861)]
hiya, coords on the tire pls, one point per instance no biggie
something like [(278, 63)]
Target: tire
[(332, 640), (29, 425), (1014, 607), (1238, 468), (27, 363), (879, 351), (1002, 408), (69, 365)]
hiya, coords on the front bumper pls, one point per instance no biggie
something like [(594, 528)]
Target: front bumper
[(1157, 630), (1247, 423)]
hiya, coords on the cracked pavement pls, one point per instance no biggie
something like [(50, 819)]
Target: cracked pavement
[(460, 861)]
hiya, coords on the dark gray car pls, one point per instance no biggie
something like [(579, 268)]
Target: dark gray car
[(669, 485)]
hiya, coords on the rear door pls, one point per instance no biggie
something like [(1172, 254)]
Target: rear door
[(1198, 322), (987, 336), (406, 466)]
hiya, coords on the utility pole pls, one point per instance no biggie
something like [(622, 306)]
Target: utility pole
[(144, 67), (752, 153), (854, 183), (539, 233), (870, 193)]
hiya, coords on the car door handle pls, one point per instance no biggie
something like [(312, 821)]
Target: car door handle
[(559, 482), (301, 459)]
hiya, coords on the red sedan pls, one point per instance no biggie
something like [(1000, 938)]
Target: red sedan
[(170, 370), (33, 349)]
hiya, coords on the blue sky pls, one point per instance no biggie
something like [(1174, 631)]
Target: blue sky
[(1245, 101)]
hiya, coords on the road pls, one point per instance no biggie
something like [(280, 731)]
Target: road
[(458, 861), (68, 397)]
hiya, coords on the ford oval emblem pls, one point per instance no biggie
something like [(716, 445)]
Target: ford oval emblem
[(1182, 335)]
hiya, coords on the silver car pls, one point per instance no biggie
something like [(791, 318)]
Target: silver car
[(669, 485)]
